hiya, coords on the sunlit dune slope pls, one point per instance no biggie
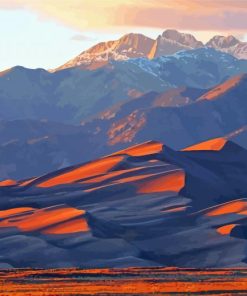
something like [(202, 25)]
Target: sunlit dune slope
[(234, 207), (212, 144), (7, 183), (173, 181), (88, 170), (53, 220), (147, 148), (146, 205), (118, 165), (226, 229)]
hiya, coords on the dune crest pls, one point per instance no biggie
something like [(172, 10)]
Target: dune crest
[(233, 207), (91, 169), (147, 148), (212, 144)]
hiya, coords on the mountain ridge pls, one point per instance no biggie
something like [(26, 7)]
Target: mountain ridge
[(31, 147), (135, 45), (73, 95), (129, 46)]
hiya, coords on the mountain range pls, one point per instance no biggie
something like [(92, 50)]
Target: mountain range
[(52, 120), (178, 117), (73, 95), (135, 45)]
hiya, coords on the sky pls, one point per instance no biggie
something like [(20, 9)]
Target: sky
[(48, 33)]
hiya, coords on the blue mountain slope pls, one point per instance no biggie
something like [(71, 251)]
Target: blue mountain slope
[(179, 117), (72, 95)]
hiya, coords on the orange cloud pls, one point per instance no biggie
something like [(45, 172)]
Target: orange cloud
[(223, 15), (214, 15)]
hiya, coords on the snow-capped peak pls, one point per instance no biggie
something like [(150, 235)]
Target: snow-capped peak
[(182, 38), (129, 46), (172, 41), (135, 45), (222, 41)]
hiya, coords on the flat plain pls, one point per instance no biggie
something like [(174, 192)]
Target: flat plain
[(128, 281)]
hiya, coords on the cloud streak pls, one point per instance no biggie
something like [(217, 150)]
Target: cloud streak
[(81, 38), (221, 15)]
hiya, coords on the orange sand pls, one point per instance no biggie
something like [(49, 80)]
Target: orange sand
[(12, 212), (72, 226), (214, 144), (174, 181), (45, 219), (7, 182), (94, 168), (226, 229), (236, 207), (110, 175), (143, 149)]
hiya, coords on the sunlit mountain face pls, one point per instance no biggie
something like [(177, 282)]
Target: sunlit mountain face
[(135, 45)]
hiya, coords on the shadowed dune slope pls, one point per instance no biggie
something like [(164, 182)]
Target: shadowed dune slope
[(147, 205)]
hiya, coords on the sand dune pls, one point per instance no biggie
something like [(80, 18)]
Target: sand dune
[(147, 205), (89, 170), (234, 207), (173, 181), (213, 144), (226, 229), (54, 220), (147, 148), (7, 182)]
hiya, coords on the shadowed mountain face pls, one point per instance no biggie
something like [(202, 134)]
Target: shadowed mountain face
[(179, 117), (73, 94), (230, 45), (171, 41), (147, 205)]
